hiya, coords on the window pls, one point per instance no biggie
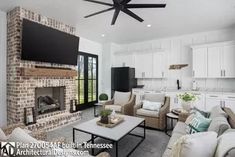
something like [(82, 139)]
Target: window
[(87, 80)]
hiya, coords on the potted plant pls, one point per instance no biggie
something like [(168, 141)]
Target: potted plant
[(104, 116), (103, 97), (187, 100)]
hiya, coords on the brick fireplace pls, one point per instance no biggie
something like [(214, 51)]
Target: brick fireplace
[(24, 88)]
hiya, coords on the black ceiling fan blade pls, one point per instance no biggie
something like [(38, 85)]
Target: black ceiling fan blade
[(125, 1), (130, 13), (115, 15), (99, 12), (145, 6), (98, 2)]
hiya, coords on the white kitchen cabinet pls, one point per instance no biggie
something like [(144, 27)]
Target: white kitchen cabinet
[(143, 65), (200, 102), (228, 63), (213, 100), (200, 62), (174, 101), (229, 101), (159, 65), (122, 59), (214, 62)]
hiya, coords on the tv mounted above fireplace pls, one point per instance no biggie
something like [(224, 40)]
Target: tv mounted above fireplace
[(45, 44)]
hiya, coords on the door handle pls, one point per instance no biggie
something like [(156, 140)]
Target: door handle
[(224, 73), (213, 96), (162, 74), (231, 97), (221, 72), (193, 73)]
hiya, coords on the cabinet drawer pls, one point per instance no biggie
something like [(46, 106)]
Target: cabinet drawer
[(229, 97), (214, 96)]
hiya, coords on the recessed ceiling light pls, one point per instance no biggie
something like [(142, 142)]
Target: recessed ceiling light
[(149, 25), (103, 35)]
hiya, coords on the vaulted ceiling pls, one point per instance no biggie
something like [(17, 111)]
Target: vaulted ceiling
[(179, 17)]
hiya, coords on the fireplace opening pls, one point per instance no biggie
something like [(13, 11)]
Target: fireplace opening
[(49, 99)]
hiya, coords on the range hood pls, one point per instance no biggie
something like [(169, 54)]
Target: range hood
[(177, 66)]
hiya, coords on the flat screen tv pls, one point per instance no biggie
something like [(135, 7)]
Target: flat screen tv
[(44, 44)]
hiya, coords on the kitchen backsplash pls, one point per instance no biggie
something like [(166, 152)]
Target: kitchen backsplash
[(202, 84)]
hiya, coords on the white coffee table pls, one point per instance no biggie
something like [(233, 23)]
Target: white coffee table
[(112, 134)]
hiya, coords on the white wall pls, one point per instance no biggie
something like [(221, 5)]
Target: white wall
[(108, 58), (178, 50), (3, 106), (92, 47)]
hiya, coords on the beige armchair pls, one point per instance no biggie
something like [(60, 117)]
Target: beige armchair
[(154, 119), (122, 102)]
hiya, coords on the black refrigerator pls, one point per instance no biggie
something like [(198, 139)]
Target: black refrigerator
[(122, 79)]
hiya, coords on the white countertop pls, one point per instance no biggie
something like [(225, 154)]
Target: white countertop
[(206, 91)]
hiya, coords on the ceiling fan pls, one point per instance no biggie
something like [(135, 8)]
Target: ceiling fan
[(124, 6)]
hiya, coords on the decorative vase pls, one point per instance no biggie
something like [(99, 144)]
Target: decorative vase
[(187, 106), (104, 119)]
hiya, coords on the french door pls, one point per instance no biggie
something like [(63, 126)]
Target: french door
[(87, 80)]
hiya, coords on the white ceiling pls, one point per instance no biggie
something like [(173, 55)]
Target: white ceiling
[(179, 17)]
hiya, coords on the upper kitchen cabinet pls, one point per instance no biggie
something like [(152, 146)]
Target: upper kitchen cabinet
[(124, 60), (143, 65), (228, 61), (216, 60), (200, 62), (159, 65)]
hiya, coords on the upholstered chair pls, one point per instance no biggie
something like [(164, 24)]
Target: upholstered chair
[(122, 102), (154, 118)]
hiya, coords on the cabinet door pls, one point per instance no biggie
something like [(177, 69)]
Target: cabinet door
[(230, 104), (212, 101), (200, 102), (200, 62), (174, 101), (143, 65), (228, 61), (214, 62), (229, 101), (159, 65)]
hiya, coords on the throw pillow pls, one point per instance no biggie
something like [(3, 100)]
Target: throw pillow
[(197, 145), (226, 145), (19, 135), (153, 106), (3, 136), (217, 112), (205, 114), (219, 125), (197, 123), (121, 98)]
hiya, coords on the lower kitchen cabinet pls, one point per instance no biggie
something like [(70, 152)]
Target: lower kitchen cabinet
[(229, 101)]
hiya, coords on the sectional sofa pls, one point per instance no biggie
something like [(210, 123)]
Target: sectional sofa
[(223, 122)]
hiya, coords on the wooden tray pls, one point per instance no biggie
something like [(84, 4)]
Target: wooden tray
[(111, 125)]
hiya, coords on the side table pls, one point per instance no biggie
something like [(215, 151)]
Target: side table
[(171, 116)]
